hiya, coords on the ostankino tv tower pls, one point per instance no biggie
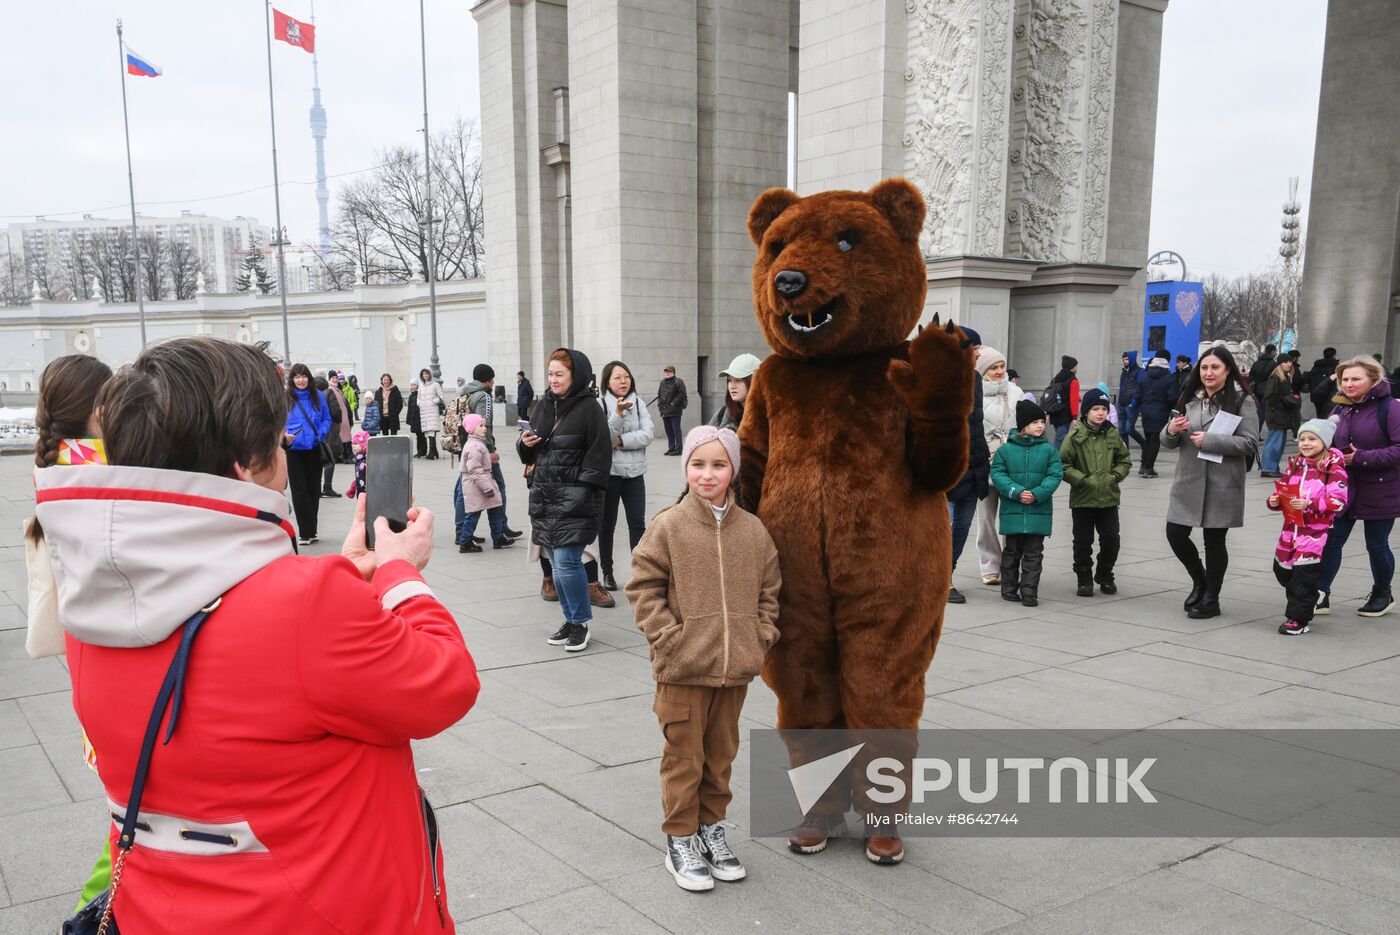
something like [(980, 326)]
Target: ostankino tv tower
[(318, 133)]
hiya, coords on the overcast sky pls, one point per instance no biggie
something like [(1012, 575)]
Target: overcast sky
[(1236, 117)]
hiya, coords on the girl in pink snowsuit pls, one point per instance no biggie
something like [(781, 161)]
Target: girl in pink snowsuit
[(1320, 475)]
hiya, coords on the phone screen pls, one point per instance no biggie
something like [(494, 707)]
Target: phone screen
[(388, 483), (524, 426)]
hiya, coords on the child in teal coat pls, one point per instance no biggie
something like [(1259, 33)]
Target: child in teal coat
[(1025, 472)]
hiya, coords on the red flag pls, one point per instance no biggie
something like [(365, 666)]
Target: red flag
[(293, 31)]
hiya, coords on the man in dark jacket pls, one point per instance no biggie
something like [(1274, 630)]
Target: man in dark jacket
[(336, 403), (1129, 398), (1158, 391), (524, 395), (1259, 377), (1322, 382), (962, 499), (671, 402), (1063, 417), (1183, 372)]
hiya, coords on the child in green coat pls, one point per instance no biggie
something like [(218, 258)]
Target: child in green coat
[(1096, 461), (1025, 471)]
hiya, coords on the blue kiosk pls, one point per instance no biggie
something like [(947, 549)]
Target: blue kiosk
[(1172, 319)]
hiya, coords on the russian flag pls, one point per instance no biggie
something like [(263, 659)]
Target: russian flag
[(140, 65)]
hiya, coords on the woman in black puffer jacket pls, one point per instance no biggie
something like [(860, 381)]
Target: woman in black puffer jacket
[(568, 452)]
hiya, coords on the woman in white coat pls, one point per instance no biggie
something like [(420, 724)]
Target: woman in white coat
[(430, 407), (631, 428), (999, 399)]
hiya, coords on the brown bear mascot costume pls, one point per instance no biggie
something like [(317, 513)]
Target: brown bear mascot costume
[(851, 434)]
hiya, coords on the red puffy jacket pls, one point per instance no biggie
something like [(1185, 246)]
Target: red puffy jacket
[(303, 690)]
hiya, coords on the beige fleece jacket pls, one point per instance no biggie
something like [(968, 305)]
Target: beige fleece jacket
[(705, 593)]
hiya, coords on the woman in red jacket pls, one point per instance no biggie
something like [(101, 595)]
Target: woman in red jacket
[(287, 801)]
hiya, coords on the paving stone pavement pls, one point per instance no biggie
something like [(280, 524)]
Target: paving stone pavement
[(547, 791)]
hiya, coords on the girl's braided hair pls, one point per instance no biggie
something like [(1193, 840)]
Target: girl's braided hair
[(67, 393)]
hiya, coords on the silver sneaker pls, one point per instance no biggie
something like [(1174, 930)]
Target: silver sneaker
[(686, 866), (715, 852)]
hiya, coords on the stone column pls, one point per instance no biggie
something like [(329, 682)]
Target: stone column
[(741, 111), (1136, 80), (523, 59), (632, 73), (1351, 277), (851, 104)]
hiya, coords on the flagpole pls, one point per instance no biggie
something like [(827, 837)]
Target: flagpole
[(280, 239), (434, 366), (131, 189)]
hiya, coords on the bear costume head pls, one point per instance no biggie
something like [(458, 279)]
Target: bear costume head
[(838, 273)]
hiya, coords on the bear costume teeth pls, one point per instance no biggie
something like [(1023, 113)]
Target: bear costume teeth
[(813, 319)]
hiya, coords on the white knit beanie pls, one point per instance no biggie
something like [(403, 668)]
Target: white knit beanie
[(987, 357)]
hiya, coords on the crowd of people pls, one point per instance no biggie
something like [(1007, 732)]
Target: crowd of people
[(1345, 471), (205, 441)]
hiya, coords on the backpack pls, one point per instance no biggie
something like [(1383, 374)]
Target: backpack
[(449, 437), (1053, 399)]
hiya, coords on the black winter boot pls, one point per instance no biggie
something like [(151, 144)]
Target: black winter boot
[(1198, 592), (1086, 585), (1032, 561), (1011, 570), (1107, 585), (1210, 601)]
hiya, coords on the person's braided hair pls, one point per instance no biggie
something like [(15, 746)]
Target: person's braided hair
[(67, 392)]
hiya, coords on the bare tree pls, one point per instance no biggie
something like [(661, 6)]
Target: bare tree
[(40, 272), (182, 268), (381, 230), (108, 255), (78, 270), (457, 175), (153, 265), (1243, 308), (11, 291)]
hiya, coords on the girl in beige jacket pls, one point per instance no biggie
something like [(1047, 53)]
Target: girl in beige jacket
[(704, 589)]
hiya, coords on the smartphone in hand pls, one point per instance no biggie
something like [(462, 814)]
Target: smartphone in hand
[(388, 483), (524, 426)]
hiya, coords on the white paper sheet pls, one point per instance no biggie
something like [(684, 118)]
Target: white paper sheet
[(1224, 423)]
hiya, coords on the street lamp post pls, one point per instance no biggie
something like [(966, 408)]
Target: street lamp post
[(428, 197)]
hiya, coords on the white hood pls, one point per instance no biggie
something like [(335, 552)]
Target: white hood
[(136, 551)]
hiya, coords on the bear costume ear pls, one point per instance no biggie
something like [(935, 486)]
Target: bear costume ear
[(767, 208), (901, 202)]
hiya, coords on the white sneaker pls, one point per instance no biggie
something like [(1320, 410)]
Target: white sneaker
[(714, 851), (686, 866)]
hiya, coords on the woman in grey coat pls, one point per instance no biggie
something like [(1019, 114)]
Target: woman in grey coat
[(631, 429), (1204, 493)]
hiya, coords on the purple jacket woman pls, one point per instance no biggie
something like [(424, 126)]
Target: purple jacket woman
[(1375, 469), (1373, 476)]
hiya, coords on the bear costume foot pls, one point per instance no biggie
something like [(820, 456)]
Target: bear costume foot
[(885, 850), (811, 836)]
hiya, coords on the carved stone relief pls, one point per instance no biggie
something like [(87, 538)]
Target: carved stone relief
[(993, 123), (1103, 56), (939, 113), (1057, 34)]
